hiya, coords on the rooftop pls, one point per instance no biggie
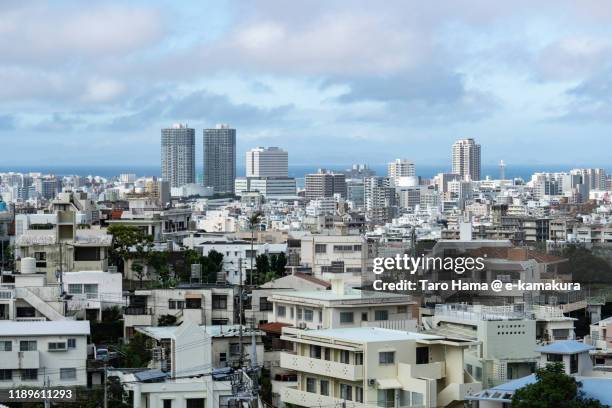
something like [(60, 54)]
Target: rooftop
[(565, 347), (46, 328), (369, 334), (168, 332), (348, 295)]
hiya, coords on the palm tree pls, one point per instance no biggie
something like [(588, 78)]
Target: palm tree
[(254, 220)]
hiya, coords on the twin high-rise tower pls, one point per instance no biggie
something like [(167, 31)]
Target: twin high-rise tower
[(178, 157)]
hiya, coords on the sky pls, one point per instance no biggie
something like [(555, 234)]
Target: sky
[(92, 83)]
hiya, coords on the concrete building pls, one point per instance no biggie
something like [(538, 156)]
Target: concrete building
[(269, 187), (33, 352), (401, 168), (367, 367), (466, 159), (342, 307), (325, 184), (267, 162), (178, 155), (220, 158), (200, 304), (334, 256)]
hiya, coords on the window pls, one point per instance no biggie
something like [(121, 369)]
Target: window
[(91, 289), (26, 312), (75, 288), (358, 358), (219, 321), (264, 305), (194, 403), (554, 357), (219, 302), (234, 349), (167, 403), (87, 254), (57, 346), (311, 385), (67, 374), (320, 316), (320, 248), (386, 357), (6, 346), (346, 392), (6, 375), (324, 387), (222, 357), (308, 315), (347, 248), (71, 343), (401, 309), (299, 313), (27, 345), (346, 317), (364, 316), (358, 394), (479, 373), (422, 355), (30, 374), (327, 354), (315, 351), (386, 398), (381, 315), (41, 259), (469, 369), (250, 254), (344, 357), (573, 363), (176, 304), (291, 312), (193, 303), (280, 311)]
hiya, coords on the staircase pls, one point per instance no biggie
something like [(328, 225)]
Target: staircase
[(38, 304)]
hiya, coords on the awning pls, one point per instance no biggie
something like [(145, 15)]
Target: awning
[(388, 383)]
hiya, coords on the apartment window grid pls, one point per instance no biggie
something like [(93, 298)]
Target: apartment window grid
[(346, 392), (380, 315), (6, 346), (6, 375), (219, 302), (281, 311), (386, 357), (67, 374), (320, 248), (29, 374), (308, 315), (311, 385), (347, 317), (324, 387), (27, 345)]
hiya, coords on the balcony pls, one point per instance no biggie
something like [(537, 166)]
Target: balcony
[(310, 399), (431, 371), (19, 359), (342, 371)]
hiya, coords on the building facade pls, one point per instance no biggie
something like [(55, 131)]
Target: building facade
[(178, 155), (220, 159)]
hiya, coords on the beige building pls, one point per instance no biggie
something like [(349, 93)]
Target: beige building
[(367, 367)]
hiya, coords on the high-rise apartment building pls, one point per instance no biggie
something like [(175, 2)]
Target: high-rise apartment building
[(325, 184), (220, 158), (466, 159), (401, 168), (178, 155), (267, 162)]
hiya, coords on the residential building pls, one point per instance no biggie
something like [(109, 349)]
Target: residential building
[(200, 304), (466, 159), (269, 187), (401, 168), (324, 183), (332, 256), (267, 162), (220, 159), (43, 353), (178, 155), (369, 366)]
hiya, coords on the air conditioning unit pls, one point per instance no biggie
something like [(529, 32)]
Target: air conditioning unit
[(371, 382), (301, 325)]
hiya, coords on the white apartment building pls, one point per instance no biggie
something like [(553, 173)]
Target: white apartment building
[(600, 337), (200, 304), (342, 307), (91, 292), (466, 159), (33, 351), (269, 187), (267, 162), (366, 367), (401, 168), (334, 256)]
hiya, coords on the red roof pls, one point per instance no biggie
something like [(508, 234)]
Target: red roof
[(276, 328), (312, 279)]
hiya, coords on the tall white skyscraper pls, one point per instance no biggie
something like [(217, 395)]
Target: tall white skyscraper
[(267, 162), (178, 155), (401, 168), (466, 159), (220, 158)]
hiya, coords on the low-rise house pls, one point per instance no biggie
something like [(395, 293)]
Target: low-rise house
[(91, 292), (367, 366), (35, 352), (201, 304), (600, 337)]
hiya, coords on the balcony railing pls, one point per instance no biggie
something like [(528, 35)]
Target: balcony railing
[(137, 310), (348, 372)]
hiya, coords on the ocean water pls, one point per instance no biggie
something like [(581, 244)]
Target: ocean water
[(297, 171)]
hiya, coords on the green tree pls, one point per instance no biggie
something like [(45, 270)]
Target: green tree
[(138, 270), (166, 320), (136, 353), (262, 264), (126, 237), (278, 263), (586, 267), (553, 388)]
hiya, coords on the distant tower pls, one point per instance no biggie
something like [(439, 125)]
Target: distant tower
[(220, 158), (502, 170), (178, 155), (466, 159)]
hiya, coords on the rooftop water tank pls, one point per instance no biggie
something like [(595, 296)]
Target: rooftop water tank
[(28, 266)]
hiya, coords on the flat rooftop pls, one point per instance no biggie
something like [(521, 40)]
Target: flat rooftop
[(349, 294), (46, 328), (369, 334)]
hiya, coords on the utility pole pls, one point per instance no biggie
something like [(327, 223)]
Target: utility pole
[(240, 312), (105, 388)]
